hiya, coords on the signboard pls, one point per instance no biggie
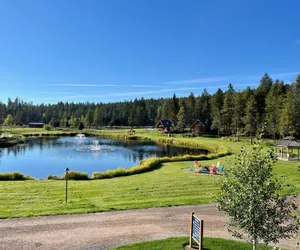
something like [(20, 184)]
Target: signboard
[(196, 231)]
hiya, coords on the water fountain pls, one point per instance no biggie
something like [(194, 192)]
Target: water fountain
[(80, 136), (96, 146)]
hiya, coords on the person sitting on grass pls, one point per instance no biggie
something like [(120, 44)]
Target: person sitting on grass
[(196, 165), (213, 170), (206, 168)]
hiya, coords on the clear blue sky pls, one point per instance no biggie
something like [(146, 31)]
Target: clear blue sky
[(58, 50)]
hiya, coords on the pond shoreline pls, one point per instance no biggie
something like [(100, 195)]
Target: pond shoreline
[(213, 151)]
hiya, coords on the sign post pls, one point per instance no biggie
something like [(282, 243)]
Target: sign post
[(196, 231), (67, 172)]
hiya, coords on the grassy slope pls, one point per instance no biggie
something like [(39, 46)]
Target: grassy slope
[(180, 242), (165, 186), (39, 131)]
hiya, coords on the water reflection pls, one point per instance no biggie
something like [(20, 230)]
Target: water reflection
[(43, 156)]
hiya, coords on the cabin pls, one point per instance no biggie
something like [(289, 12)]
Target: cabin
[(36, 125), (198, 127), (288, 149), (166, 126)]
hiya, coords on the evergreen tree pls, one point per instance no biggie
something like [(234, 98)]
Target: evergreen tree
[(203, 106), (166, 110), (159, 114), (89, 118), (273, 108), (286, 117), (262, 91), (55, 120), (81, 126), (45, 118), (181, 117), (97, 117), (174, 107), (295, 89), (2, 113), (251, 117), (228, 109), (191, 109), (216, 105), (238, 113)]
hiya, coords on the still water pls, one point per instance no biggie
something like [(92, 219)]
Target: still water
[(40, 157)]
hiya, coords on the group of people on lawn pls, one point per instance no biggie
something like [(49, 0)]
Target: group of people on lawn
[(205, 169)]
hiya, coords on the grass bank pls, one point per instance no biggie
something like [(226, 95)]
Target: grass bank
[(215, 150), (167, 185), (179, 243), (38, 132), (8, 139)]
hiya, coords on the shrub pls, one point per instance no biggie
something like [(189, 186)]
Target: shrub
[(5, 177), (52, 177), (47, 127), (74, 175), (15, 176)]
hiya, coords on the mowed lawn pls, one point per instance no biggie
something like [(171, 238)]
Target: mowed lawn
[(168, 185), (179, 243)]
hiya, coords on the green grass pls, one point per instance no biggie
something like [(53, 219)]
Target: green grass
[(178, 243), (40, 131), (167, 185)]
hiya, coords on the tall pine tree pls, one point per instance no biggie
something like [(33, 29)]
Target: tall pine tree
[(228, 109), (216, 105)]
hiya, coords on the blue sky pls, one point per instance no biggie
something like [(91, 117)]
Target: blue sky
[(59, 50)]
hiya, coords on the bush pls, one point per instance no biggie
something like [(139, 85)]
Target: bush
[(15, 176), (74, 175), (52, 177), (47, 127)]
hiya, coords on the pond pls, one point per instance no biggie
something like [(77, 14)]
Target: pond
[(43, 156)]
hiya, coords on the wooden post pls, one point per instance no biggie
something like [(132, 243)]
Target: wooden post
[(298, 154), (282, 153), (191, 230), (66, 187), (201, 235)]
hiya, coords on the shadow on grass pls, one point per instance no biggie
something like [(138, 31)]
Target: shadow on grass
[(186, 247)]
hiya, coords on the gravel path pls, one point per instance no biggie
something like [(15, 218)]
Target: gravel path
[(110, 229)]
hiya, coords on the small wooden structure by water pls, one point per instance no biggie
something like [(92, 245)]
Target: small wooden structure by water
[(166, 125), (198, 127), (288, 149), (36, 125)]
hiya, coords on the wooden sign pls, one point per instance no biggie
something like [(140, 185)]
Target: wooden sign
[(196, 231)]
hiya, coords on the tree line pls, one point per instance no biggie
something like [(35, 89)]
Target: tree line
[(232, 112)]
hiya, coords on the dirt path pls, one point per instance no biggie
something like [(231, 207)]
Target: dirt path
[(110, 229)]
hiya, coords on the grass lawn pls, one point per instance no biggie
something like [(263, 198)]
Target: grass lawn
[(180, 242), (38, 131), (168, 185)]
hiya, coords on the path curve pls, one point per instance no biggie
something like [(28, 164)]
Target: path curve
[(110, 229)]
